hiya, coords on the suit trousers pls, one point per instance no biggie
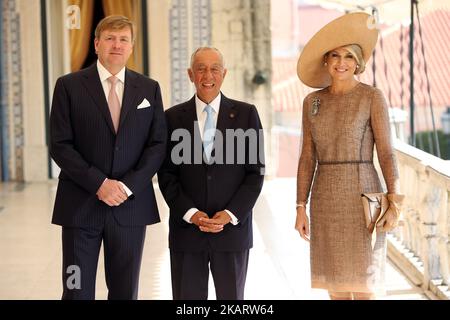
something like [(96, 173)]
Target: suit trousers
[(122, 248), (190, 274)]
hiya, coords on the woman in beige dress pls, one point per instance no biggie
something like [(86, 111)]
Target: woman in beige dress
[(341, 123)]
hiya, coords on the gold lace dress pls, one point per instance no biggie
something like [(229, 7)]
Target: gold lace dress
[(339, 133)]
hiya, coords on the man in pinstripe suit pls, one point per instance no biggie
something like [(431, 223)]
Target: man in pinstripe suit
[(107, 134)]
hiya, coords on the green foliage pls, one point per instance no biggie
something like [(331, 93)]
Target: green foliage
[(425, 142)]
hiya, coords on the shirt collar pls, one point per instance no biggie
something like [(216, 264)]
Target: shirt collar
[(105, 74), (215, 104)]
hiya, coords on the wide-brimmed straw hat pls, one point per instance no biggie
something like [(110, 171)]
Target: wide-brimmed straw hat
[(353, 28)]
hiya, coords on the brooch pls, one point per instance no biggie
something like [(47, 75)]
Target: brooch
[(315, 106)]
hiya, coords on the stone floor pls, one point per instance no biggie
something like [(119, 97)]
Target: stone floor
[(30, 250)]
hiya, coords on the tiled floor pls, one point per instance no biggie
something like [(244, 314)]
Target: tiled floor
[(30, 250)]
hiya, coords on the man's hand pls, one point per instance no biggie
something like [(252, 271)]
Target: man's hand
[(112, 193), (205, 224), (221, 217), (216, 223), (195, 219)]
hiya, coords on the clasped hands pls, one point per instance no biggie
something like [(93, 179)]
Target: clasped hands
[(112, 193), (214, 224)]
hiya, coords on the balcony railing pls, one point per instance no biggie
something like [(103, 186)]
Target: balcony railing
[(420, 246)]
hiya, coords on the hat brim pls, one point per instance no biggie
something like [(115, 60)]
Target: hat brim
[(353, 28)]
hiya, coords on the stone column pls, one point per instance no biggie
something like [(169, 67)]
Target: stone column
[(35, 151), (241, 31), (12, 91), (159, 46)]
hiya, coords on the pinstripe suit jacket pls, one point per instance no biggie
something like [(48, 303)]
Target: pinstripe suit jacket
[(84, 145)]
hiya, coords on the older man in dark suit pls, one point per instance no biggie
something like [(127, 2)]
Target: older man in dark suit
[(108, 136), (211, 180)]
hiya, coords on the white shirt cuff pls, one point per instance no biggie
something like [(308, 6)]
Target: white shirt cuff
[(128, 191), (234, 221), (188, 215)]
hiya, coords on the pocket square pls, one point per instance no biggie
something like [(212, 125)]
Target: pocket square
[(144, 104)]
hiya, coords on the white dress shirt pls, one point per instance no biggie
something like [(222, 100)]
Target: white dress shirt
[(104, 74), (201, 117)]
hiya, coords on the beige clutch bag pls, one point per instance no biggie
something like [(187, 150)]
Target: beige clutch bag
[(375, 206)]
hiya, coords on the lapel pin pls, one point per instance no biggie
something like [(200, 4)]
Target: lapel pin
[(231, 115)]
